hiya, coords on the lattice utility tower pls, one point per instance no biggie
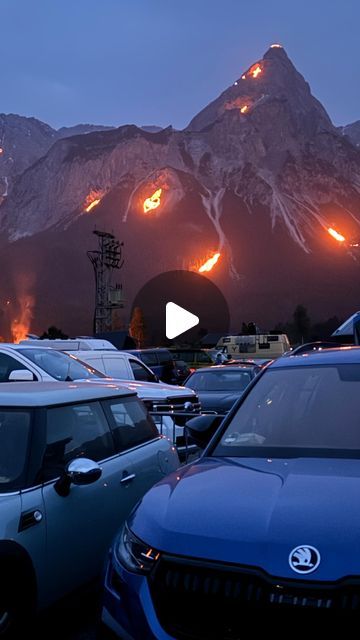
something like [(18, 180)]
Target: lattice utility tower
[(105, 259)]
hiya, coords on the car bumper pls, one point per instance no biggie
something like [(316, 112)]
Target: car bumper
[(127, 605)]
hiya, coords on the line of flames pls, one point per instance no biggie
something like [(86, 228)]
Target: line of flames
[(336, 235), (210, 263)]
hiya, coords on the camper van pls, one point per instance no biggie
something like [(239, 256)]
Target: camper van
[(263, 345)]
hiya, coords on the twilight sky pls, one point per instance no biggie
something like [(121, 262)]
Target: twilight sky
[(161, 61)]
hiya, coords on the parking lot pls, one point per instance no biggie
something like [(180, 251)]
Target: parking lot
[(74, 618)]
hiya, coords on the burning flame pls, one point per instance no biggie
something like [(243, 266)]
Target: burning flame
[(1, 151), (256, 71), (244, 108), (92, 200), (92, 204), (243, 77), (210, 263), (153, 202), (276, 45), (336, 235), (20, 326)]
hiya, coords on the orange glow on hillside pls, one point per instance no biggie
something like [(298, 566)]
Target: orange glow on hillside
[(210, 263), (336, 235), (153, 202), (244, 108)]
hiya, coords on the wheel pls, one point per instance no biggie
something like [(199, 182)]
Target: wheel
[(9, 615), (16, 610)]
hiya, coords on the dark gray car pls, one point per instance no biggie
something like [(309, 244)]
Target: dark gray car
[(220, 386)]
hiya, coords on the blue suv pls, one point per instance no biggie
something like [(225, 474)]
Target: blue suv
[(267, 520)]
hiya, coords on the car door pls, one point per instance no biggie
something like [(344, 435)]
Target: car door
[(135, 433), (81, 525), (117, 366)]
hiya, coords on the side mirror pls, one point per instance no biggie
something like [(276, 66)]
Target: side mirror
[(80, 471), (202, 428), (21, 375)]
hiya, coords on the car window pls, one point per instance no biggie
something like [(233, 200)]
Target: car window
[(165, 357), (303, 409), (116, 366), (149, 358), (186, 356), (14, 443), (61, 366), (219, 380), (7, 365), (141, 373), (131, 424), (203, 357), (74, 431)]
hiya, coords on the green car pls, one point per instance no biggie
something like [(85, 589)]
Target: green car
[(74, 460)]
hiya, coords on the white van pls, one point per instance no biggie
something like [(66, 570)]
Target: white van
[(263, 345)]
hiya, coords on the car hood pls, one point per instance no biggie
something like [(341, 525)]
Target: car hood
[(218, 400), (150, 390), (256, 511)]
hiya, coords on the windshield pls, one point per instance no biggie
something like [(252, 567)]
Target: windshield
[(14, 440), (220, 380), (298, 411), (60, 366)]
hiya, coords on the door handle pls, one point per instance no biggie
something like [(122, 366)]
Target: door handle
[(128, 478)]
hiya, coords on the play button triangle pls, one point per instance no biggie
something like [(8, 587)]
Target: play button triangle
[(178, 320)]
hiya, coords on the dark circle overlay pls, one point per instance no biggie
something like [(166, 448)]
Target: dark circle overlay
[(192, 291)]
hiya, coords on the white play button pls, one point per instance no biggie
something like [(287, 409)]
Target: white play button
[(178, 320)]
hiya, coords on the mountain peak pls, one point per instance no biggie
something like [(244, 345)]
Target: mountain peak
[(271, 78)]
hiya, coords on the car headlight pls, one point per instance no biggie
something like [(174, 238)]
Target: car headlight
[(133, 553)]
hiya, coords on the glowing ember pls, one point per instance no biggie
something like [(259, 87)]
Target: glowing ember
[(336, 235), (244, 108), (276, 46), (153, 202), (1, 151), (256, 71), (243, 77), (209, 264)]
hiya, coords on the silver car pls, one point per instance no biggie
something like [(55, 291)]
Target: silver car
[(74, 459)]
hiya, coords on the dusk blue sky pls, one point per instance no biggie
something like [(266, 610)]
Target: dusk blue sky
[(161, 61)]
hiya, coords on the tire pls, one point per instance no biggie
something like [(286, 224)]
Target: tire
[(10, 614), (16, 605)]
